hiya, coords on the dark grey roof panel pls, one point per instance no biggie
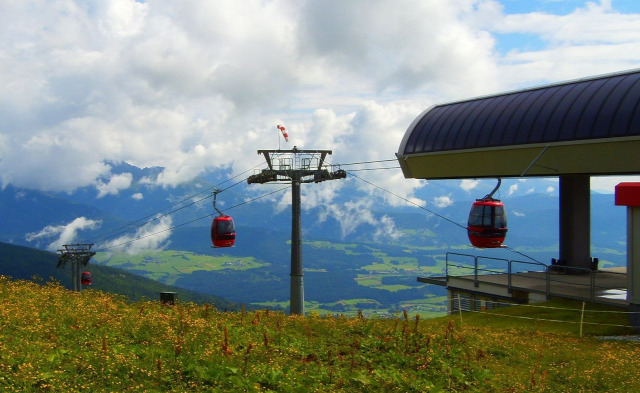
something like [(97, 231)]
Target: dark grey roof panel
[(595, 108)]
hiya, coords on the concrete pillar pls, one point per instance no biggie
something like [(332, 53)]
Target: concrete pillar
[(575, 221), (628, 194)]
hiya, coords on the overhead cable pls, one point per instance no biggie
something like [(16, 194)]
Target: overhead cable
[(409, 201), (368, 162), (434, 213), (189, 222), (148, 218)]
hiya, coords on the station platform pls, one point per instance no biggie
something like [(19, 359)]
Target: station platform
[(604, 286)]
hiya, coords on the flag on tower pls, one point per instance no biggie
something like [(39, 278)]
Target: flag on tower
[(284, 132)]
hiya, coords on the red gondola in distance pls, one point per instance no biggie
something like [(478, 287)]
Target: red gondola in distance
[(487, 225), (85, 278), (223, 230)]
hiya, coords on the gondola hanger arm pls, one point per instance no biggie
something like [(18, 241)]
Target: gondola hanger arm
[(489, 196), (215, 194)]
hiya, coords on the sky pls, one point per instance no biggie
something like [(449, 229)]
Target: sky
[(195, 86)]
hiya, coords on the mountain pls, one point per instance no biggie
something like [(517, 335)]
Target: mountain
[(23, 263), (356, 247)]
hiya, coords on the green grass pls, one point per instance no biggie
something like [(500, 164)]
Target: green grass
[(168, 266), (346, 248), (54, 340)]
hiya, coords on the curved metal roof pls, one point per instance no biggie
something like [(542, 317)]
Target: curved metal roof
[(589, 110)]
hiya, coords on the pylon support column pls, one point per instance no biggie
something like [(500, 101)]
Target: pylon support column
[(297, 274), (575, 221)]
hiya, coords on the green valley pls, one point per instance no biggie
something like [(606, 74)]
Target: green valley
[(344, 278)]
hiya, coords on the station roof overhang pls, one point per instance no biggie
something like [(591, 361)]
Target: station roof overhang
[(590, 126)]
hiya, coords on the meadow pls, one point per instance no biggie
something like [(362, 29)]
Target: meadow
[(383, 279), (167, 266), (55, 340)]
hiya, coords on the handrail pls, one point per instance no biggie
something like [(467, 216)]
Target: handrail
[(544, 268)]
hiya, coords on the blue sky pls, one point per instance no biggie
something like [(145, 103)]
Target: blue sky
[(530, 41), (197, 86), (562, 7)]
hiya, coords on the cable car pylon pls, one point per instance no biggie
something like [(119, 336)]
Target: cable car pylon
[(296, 166), (79, 255)]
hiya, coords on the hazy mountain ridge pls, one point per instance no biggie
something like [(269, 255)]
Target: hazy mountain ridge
[(389, 233), (533, 216)]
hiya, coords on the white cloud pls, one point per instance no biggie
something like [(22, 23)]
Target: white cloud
[(153, 236), (124, 18), (403, 45), (550, 189), (442, 201), (512, 188), (386, 230), (593, 39), (468, 184), (354, 214), (200, 85), (351, 215), (138, 196), (116, 183), (319, 194), (607, 184), (58, 235)]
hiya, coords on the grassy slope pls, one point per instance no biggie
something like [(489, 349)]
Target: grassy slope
[(52, 339), (27, 263)]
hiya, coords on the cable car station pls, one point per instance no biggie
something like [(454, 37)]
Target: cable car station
[(572, 131)]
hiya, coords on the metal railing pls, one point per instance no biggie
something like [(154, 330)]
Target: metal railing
[(550, 274)]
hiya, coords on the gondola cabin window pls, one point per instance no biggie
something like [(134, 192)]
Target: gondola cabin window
[(488, 215)]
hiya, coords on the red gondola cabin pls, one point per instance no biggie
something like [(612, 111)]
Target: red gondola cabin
[(223, 231), (85, 278), (487, 226)]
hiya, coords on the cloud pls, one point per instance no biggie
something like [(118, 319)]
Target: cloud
[(116, 183), (153, 236), (550, 189), (319, 194), (592, 39), (138, 196), (512, 189), (468, 184), (354, 214), (198, 86), (442, 201), (351, 215), (386, 230), (58, 235), (370, 135), (607, 184)]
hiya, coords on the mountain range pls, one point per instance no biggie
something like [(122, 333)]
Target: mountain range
[(355, 247)]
